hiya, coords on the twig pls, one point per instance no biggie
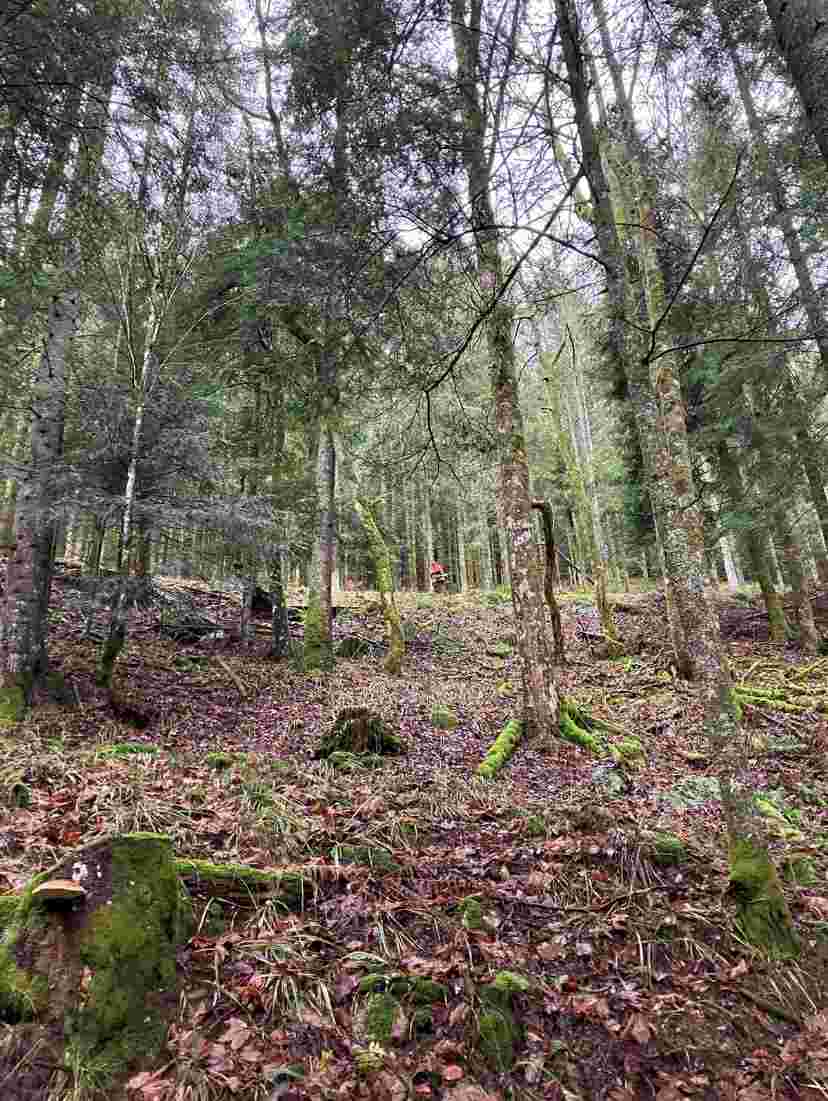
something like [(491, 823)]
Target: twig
[(232, 676)]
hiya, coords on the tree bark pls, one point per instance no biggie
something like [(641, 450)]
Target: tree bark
[(24, 624), (801, 30), (541, 701), (385, 586), (545, 510)]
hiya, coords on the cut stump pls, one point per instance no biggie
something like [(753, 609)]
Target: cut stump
[(88, 966)]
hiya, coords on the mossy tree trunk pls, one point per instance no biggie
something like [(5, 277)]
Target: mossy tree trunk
[(385, 586), (654, 389), (541, 701), (23, 620), (792, 553)]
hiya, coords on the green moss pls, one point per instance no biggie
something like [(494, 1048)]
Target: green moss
[(413, 988), (129, 949), (380, 1015), (668, 849), (800, 870), (501, 750), (510, 983), (574, 726), (499, 649), (128, 749), (13, 704), (290, 888), (443, 718), (471, 912), (420, 991), (378, 859), (219, 761), (358, 730), (496, 1039), (629, 751), (763, 914), (535, 826), (317, 653)]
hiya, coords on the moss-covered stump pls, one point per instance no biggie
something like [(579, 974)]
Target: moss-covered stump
[(358, 730), (762, 911), (290, 888), (87, 962)]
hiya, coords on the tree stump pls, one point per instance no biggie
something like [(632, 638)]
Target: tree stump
[(87, 966), (358, 730)]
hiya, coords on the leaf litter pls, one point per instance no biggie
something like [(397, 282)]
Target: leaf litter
[(634, 980)]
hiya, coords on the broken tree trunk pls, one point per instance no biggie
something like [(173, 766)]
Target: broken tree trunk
[(545, 510)]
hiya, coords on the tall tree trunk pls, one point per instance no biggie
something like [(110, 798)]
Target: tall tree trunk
[(550, 558), (385, 587), (801, 29), (24, 624), (541, 701), (318, 643), (115, 639), (763, 912), (485, 550)]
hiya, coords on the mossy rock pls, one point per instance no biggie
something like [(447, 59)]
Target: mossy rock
[(443, 718), (499, 649), (667, 849), (219, 761), (358, 730), (535, 826), (98, 973), (378, 859)]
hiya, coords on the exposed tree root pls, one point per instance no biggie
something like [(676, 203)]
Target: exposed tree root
[(576, 725)]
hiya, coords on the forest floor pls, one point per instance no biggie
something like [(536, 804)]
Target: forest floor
[(629, 978)]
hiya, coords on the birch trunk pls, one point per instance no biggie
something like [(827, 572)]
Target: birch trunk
[(115, 640), (540, 696)]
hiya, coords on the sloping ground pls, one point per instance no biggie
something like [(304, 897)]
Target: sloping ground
[(626, 977)]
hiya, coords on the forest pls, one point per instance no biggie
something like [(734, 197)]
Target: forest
[(413, 550)]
